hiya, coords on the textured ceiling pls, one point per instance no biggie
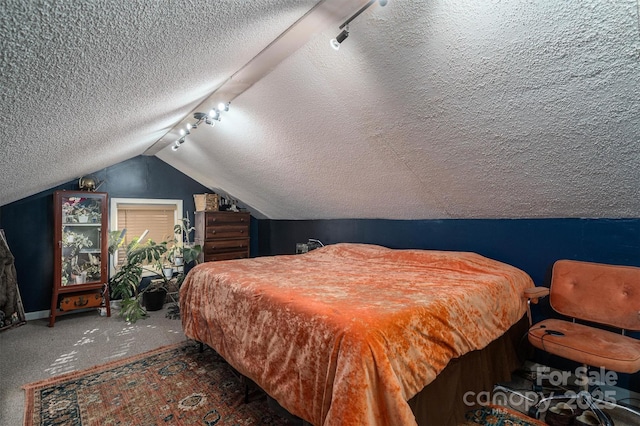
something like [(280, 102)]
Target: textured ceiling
[(430, 109)]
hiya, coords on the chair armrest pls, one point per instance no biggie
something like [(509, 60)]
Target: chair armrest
[(535, 293)]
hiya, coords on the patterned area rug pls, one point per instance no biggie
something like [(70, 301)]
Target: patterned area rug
[(175, 385), (494, 415)]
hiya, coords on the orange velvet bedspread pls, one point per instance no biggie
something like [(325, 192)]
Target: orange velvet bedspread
[(346, 334)]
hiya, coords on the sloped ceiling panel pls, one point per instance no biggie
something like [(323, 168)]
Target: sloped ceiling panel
[(441, 110), (431, 109), (87, 84)]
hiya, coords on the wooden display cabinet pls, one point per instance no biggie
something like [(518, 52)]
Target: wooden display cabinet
[(80, 278)]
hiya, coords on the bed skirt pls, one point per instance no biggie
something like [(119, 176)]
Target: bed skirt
[(442, 402)]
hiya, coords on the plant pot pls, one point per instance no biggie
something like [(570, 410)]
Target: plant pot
[(178, 261), (168, 272), (154, 300), (81, 278)]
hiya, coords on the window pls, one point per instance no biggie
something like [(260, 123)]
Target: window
[(137, 215)]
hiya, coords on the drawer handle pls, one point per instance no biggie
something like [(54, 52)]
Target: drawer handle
[(81, 301), (242, 231), (213, 231), (240, 245)]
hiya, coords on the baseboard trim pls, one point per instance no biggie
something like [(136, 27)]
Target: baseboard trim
[(30, 316)]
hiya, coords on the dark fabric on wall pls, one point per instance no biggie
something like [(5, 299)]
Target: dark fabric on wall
[(11, 310)]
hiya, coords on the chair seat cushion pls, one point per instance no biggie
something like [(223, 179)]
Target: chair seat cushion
[(587, 345)]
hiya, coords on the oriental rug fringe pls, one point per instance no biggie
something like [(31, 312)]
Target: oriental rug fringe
[(173, 385)]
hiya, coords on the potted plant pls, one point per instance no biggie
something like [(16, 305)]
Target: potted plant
[(155, 293), (139, 257), (183, 251), (73, 270), (125, 282)]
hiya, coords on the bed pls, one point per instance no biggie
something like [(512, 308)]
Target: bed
[(347, 334)]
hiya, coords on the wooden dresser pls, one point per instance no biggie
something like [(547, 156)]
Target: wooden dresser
[(222, 235)]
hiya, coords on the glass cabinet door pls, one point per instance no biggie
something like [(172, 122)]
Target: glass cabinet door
[(81, 240), (81, 256)]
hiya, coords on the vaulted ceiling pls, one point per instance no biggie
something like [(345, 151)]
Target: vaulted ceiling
[(430, 109)]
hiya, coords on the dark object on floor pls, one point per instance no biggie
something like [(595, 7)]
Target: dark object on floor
[(493, 415), (154, 300), (587, 418), (173, 311), (560, 414), (170, 385)]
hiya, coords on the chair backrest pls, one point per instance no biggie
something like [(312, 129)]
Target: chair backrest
[(596, 292)]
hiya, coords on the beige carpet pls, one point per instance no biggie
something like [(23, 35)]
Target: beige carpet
[(35, 352)]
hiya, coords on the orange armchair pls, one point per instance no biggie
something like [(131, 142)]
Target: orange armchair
[(597, 294)]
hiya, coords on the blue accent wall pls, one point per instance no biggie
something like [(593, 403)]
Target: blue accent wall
[(532, 245), (28, 223), (529, 244)]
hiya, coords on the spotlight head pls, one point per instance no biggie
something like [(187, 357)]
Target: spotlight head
[(175, 148), (199, 115), (223, 107), (214, 114), (335, 43)]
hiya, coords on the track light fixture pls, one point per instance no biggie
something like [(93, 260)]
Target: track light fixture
[(335, 42), (211, 119)]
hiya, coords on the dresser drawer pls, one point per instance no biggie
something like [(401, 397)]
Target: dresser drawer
[(223, 218), (80, 301), (220, 246), (226, 256), (222, 235), (226, 231)]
